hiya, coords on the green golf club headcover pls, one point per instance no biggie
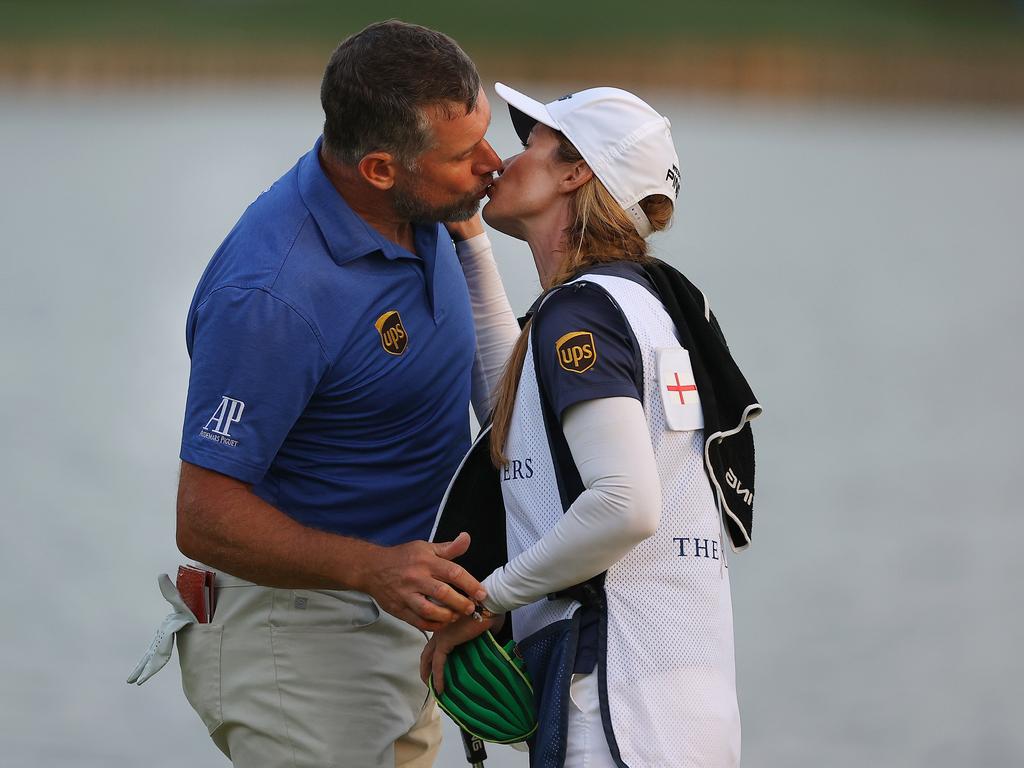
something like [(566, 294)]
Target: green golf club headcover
[(486, 691)]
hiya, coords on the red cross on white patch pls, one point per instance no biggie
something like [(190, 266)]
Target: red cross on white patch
[(678, 389)]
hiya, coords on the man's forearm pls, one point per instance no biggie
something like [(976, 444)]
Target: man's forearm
[(223, 524)]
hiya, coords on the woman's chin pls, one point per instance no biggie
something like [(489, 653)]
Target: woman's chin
[(507, 225)]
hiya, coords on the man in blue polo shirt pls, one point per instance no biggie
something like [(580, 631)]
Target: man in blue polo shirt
[(332, 344)]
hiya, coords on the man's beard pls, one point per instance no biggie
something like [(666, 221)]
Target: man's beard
[(411, 207)]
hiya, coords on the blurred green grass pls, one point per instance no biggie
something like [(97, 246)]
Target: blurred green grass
[(924, 25)]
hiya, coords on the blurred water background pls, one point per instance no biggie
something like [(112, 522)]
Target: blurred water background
[(864, 259)]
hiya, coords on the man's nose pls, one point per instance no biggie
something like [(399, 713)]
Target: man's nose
[(489, 161)]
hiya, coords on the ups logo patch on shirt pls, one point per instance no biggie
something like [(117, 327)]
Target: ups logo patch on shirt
[(392, 333), (576, 351)]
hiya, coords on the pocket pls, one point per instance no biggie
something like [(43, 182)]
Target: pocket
[(578, 691), (577, 737), (314, 610), (199, 650), (550, 654)]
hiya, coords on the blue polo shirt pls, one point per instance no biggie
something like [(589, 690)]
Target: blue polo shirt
[(330, 366)]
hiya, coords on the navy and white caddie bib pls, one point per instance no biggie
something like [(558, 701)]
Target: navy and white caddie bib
[(669, 659)]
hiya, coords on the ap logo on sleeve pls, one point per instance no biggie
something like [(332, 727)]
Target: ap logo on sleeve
[(218, 428)]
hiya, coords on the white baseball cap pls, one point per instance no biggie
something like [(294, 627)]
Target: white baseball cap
[(625, 141)]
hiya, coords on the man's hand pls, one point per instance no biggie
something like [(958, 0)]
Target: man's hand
[(415, 582), (442, 642), (463, 230)]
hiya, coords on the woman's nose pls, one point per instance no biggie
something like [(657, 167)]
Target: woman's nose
[(507, 162)]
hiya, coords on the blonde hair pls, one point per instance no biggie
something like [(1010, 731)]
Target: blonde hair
[(600, 232)]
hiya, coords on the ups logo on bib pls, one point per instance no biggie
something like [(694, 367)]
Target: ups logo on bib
[(392, 332), (576, 351)]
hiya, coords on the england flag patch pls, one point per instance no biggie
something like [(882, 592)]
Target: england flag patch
[(683, 412)]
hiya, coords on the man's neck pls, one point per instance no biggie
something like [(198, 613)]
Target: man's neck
[(371, 205)]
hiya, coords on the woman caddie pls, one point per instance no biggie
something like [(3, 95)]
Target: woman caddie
[(618, 601)]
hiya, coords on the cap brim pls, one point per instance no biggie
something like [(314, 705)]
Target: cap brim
[(525, 112)]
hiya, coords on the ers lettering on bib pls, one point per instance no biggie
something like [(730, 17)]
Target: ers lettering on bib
[(678, 389)]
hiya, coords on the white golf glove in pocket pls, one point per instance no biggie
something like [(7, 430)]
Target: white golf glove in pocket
[(159, 651)]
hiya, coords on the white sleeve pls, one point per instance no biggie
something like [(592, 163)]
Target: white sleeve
[(496, 326), (619, 507)]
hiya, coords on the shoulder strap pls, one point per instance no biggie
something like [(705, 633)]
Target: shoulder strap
[(567, 477)]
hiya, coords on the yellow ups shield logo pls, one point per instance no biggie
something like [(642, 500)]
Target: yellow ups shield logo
[(392, 332), (576, 351)]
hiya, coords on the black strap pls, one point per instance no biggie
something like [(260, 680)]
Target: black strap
[(724, 394)]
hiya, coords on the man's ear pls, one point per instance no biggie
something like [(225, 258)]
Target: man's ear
[(378, 169), (575, 177)]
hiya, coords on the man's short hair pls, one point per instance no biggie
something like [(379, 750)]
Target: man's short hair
[(379, 82)]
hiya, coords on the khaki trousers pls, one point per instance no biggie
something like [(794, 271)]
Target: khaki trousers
[(308, 679)]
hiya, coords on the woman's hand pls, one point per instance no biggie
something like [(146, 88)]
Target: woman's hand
[(463, 230), (442, 642)]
